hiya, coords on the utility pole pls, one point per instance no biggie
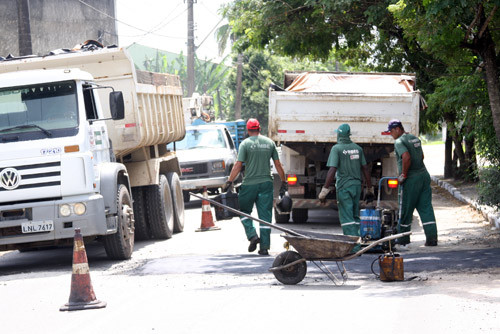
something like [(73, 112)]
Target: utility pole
[(239, 74), (23, 25), (190, 48)]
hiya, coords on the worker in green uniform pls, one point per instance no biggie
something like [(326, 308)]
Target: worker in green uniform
[(257, 188), (346, 160), (415, 182)]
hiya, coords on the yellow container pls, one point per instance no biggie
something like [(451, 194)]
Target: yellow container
[(391, 268)]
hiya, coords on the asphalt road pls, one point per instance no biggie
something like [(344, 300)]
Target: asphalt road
[(207, 282)]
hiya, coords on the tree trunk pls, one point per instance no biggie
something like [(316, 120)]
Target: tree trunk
[(458, 156), (470, 153), (471, 161), (448, 153), (239, 74), (219, 103), (487, 52)]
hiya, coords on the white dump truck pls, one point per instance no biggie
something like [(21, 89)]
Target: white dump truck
[(71, 159), (304, 115)]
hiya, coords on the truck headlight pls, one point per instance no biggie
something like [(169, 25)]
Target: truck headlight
[(65, 210), (218, 165), (80, 208)]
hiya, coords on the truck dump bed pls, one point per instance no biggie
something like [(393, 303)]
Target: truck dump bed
[(153, 101), (314, 104)]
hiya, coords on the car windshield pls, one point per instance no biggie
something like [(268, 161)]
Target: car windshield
[(49, 106), (201, 138)]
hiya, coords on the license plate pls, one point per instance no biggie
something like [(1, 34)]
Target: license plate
[(296, 190), (35, 227)]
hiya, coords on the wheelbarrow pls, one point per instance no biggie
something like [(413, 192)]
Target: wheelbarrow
[(290, 266)]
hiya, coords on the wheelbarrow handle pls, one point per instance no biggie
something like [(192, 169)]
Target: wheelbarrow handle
[(375, 243), (291, 232)]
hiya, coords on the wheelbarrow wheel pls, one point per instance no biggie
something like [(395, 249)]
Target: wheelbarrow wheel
[(293, 274)]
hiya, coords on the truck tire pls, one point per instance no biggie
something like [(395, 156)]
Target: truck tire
[(281, 219), (299, 216), (142, 231), (178, 201), (119, 246), (159, 209)]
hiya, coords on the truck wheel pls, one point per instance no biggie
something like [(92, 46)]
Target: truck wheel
[(178, 201), (281, 219), (119, 246), (141, 225), (300, 216), (293, 274), (186, 196), (159, 209)]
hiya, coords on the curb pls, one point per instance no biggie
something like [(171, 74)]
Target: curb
[(488, 213)]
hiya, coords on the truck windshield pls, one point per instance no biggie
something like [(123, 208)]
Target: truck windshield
[(32, 112), (201, 138)]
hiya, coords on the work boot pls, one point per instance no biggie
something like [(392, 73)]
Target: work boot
[(253, 243), (263, 252), (431, 242)]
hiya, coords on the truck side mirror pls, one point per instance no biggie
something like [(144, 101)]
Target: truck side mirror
[(116, 105)]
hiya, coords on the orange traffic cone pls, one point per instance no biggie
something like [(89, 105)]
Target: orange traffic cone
[(82, 296), (207, 220)]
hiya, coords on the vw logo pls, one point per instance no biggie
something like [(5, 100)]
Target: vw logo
[(9, 178)]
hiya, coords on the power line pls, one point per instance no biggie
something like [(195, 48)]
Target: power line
[(125, 23), (210, 33), (162, 25)]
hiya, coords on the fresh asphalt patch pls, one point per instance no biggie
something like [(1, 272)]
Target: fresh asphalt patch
[(463, 260)]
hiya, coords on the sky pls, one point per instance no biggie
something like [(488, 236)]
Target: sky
[(162, 24)]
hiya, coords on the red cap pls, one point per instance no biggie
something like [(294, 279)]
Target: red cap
[(253, 124)]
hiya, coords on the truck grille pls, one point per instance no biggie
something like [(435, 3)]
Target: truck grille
[(193, 169), (35, 175)]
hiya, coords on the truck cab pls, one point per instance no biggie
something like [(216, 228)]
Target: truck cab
[(54, 146), (206, 156)]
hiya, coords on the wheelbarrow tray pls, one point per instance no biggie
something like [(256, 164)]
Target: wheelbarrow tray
[(321, 246)]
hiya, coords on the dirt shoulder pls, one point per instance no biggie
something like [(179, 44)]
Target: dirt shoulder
[(460, 227)]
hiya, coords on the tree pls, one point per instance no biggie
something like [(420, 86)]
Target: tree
[(459, 33), (360, 33), (209, 76), (426, 37)]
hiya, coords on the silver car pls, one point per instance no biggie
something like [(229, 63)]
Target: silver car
[(206, 156)]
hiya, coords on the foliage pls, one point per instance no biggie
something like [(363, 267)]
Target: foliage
[(446, 43), (461, 34), (360, 34), (261, 68), (489, 187), (209, 76)]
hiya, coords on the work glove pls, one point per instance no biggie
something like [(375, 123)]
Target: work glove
[(284, 188), (401, 178), (369, 195), (322, 195), (227, 185)]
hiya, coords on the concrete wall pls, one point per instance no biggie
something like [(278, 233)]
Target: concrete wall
[(58, 24)]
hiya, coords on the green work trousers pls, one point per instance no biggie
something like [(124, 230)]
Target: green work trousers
[(348, 204), (417, 194), (261, 195)]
